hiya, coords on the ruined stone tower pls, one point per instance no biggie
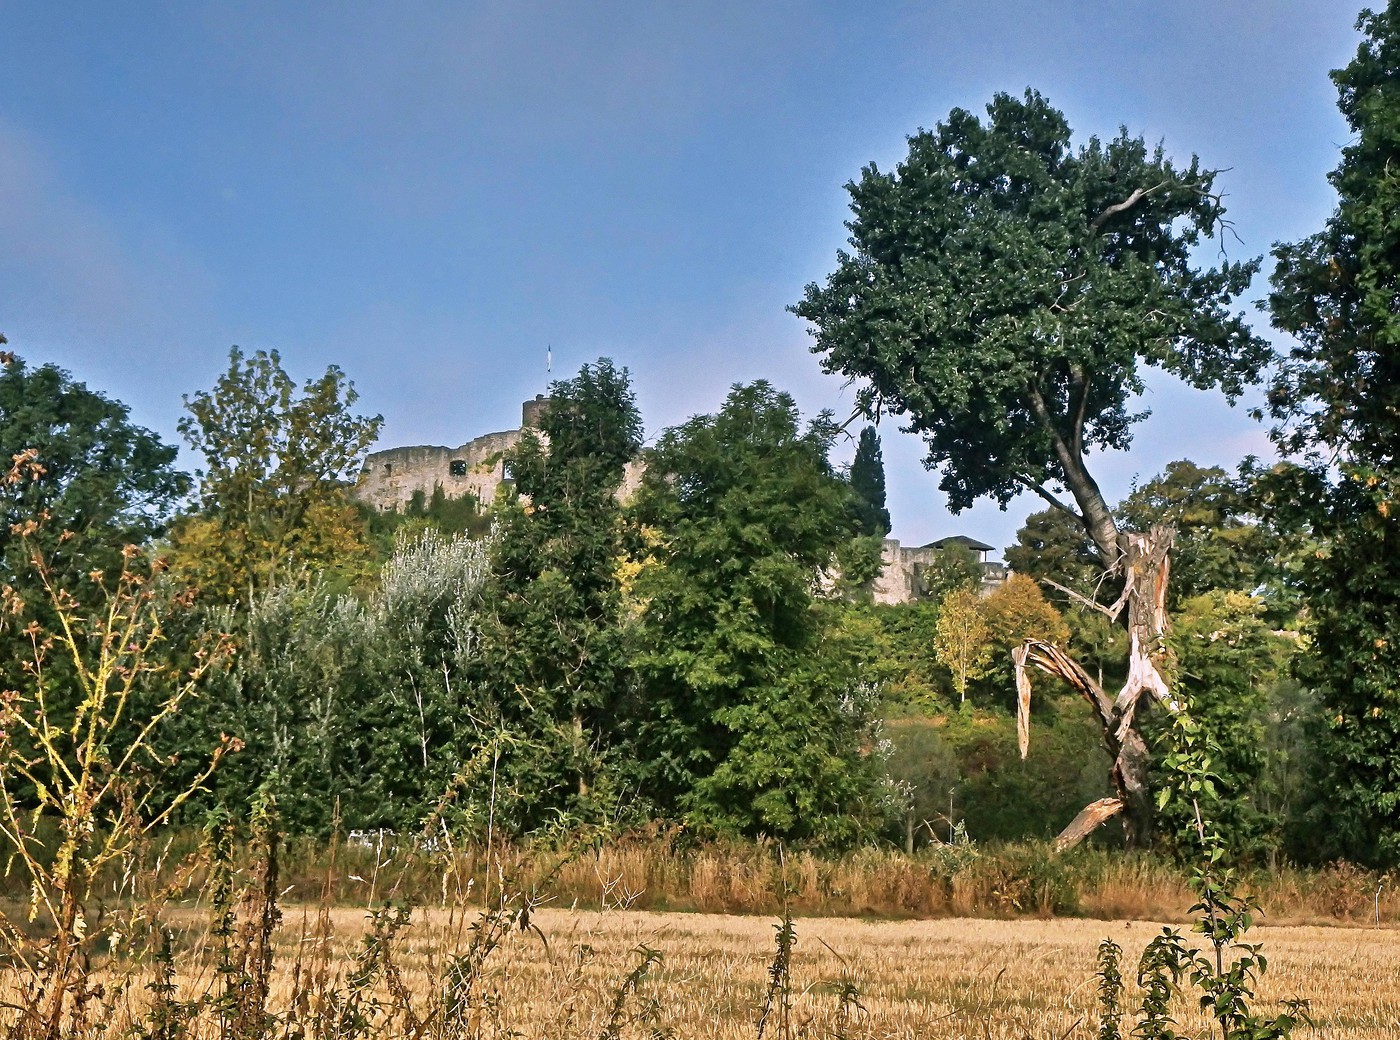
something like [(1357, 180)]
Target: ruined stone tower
[(390, 477)]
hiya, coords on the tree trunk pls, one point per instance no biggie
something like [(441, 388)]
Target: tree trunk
[(1088, 820), (579, 752), (1146, 564)]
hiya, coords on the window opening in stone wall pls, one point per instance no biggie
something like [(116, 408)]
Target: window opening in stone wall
[(457, 467)]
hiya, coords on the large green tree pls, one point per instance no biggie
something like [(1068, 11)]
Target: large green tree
[(87, 483), (277, 464), (749, 720), (555, 653), (1004, 292), (93, 480), (1337, 403)]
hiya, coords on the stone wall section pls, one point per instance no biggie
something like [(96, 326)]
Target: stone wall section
[(392, 476), (901, 573), (902, 570)]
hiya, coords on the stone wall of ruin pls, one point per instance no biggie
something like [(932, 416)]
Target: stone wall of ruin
[(392, 476)]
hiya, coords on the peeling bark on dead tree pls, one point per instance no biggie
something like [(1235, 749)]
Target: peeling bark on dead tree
[(1146, 565), (1088, 820)]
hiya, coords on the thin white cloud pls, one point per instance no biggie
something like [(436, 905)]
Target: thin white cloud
[(120, 309), (60, 256)]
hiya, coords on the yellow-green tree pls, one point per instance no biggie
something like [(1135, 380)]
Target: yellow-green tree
[(963, 641), (1018, 610), (273, 492)]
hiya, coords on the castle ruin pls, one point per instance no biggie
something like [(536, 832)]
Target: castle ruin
[(902, 569), (391, 478)]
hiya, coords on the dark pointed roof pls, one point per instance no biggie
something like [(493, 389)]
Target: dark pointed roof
[(961, 540)]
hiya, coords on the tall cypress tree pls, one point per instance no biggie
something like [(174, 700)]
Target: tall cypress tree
[(868, 482), (1336, 400)]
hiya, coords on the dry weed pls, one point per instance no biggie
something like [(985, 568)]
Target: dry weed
[(707, 975)]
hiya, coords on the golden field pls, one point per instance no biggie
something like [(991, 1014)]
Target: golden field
[(625, 942), (559, 976)]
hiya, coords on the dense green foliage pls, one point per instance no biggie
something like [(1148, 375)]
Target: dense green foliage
[(1336, 399), (954, 567), (552, 669), (361, 710), (463, 515), (868, 483), (746, 722), (95, 480), (555, 656), (963, 769), (1219, 544), (1052, 544), (894, 648), (85, 483), (1231, 665)]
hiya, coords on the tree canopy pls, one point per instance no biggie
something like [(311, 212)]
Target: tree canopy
[(1005, 289), (746, 724), (80, 483), (554, 654), (1337, 393), (276, 465), (90, 471), (1219, 544), (868, 482), (1335, 401), (1053, 545)]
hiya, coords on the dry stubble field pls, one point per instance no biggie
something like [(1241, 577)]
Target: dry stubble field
[(927, 979)]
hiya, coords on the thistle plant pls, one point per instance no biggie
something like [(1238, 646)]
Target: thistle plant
[(618, 1016), (777, 1001), (78, 764)]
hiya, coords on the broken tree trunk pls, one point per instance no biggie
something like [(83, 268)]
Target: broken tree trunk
[(1087, 822), (1146, 564)]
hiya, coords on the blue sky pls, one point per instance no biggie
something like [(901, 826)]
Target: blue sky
[(429, 194)]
